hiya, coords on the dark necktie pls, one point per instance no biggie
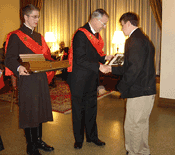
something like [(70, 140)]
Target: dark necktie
[(96, 35)]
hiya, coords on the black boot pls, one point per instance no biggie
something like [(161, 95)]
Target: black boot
[(31, 136), (41, 144)]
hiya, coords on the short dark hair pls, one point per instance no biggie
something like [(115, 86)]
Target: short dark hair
[(28, 9), (99, 13), (130, 16)]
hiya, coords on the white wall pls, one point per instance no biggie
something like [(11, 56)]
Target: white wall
[(9, 17), (167, 75)]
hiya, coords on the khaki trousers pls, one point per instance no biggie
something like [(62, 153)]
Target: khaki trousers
[(136, 125)]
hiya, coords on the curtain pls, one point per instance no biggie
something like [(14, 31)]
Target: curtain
[(64, 17), (37, 3), (156, 6)]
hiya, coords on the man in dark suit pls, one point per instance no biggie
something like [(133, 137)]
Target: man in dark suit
[(138, 85), (34, 97), (84, 56)]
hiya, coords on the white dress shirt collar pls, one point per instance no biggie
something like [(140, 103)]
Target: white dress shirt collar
[(93, 31), (132, 31)]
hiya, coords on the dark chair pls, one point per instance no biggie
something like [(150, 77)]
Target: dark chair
[(14, 96)]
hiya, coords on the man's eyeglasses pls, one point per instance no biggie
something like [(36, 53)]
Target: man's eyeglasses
[(104, 24), (34, 17)]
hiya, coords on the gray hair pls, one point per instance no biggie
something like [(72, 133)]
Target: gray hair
[(99, 14)]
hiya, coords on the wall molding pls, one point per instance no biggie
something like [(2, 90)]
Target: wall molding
[(166, 103)]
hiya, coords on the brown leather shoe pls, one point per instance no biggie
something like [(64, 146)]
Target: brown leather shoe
[(128, 153)]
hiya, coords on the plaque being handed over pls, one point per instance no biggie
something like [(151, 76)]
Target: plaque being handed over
[(118, 60), (36, 63)]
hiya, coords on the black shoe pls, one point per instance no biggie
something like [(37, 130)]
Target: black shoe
[(97, 142), (42, 145), (32, 150), (78, 145)]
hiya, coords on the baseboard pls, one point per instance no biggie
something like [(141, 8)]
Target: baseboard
[(166, 103)]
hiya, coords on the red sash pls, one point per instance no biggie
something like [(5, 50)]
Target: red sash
[(97, 43), (35, 47), (1, 82)]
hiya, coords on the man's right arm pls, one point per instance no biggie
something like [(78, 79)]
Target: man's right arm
[(12, 55), (80, 53)]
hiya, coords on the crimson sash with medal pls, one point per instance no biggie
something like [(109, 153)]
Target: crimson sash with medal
[(35, 47), (97, 43)]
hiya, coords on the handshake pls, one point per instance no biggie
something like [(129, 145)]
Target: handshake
[(106, 68)]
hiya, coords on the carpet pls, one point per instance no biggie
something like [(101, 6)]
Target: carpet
[(60, 97), (7, 97)]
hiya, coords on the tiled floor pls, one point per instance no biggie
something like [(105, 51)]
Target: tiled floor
[(110, 119)]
